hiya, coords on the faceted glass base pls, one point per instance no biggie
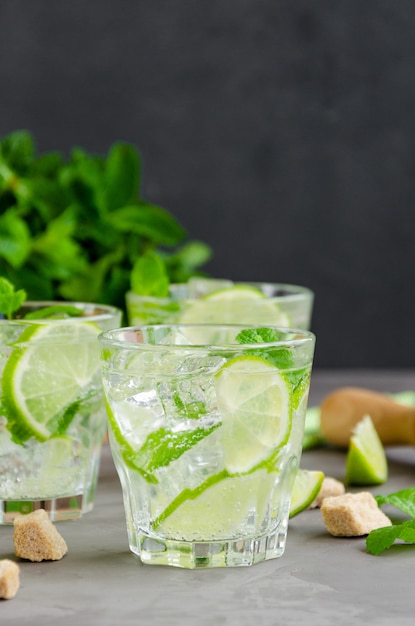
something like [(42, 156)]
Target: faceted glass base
[(58, 509), (192, 555)]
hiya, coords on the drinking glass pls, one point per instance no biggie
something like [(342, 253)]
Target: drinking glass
[(205, 426), (52, 413)]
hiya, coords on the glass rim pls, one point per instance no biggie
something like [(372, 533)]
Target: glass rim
[(295, 291), (103, 312), (295, 337)]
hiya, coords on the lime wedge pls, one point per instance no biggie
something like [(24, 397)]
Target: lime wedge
[(307, 484), (239, 304), (45, 377), (255, 404), (366, 462)]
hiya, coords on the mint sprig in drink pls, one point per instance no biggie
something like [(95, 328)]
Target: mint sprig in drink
[(52, 413), (206, 438)]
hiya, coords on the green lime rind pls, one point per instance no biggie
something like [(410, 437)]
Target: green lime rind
[(17, 424), (55, 397), (366, 462), (306, 487), (21, 431), (189, 494)]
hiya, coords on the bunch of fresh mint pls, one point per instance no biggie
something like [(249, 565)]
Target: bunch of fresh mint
[(75, 228)]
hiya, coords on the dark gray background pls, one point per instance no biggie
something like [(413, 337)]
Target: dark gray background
[(281, 132)]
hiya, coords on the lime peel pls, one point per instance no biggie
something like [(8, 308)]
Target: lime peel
[(306, 487)]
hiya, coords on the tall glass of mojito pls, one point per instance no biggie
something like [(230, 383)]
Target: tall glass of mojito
[(206, 425), (52, 412), (209, 300)]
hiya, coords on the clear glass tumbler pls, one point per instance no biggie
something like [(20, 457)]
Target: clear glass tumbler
[(206, 425), (52, 412)]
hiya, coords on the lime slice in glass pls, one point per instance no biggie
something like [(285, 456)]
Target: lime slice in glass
[(218, 510), (254, 400), (307, 485), (240, 304), (366, 462), (46, 376)]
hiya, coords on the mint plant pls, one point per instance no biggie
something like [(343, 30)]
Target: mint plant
[(74, 228)]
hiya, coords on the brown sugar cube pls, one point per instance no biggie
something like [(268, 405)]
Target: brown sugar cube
[(352, 514), (9, 579), (330, 487), (36, 538)]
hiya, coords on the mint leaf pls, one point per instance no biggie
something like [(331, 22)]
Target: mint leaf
[(258, 335), (14, 238), (403, 500), (17, 150), (122, 174), (149, 276), (279, 356), (164, 446), (383, 538), (10, 300), (147, 220), (182, 264)]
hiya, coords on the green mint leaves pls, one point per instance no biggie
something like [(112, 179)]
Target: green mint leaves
[(10, 299), (149, 276), (278, 356), (72, 228), (381, 539), (403, 500), (164, 446)]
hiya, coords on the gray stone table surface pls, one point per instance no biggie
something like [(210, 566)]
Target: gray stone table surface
[(320, 580)]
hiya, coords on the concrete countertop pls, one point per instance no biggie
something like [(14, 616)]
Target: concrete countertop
[(320, 580)]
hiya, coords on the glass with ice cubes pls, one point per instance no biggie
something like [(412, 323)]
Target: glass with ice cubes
[(206, 425)]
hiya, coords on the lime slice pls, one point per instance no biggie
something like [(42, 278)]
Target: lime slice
[(307, 484), (44, 378), (219, 508), (239, 304), (366, 462), (255, 404)]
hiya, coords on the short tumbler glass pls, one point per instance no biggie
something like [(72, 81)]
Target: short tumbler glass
[(52, 412), (205, 426), (219, 301)]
